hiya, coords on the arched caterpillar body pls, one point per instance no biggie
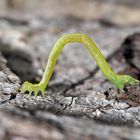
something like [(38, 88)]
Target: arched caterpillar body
[(118, 80)]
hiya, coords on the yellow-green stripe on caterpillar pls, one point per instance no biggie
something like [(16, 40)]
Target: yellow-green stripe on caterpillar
[(118, 80)]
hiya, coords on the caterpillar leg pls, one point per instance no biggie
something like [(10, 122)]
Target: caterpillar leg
[(32, 88), (122, 80)]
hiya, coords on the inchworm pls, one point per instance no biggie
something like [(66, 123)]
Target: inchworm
[(118, 80)]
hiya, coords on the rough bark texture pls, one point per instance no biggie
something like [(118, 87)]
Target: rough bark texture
[(80, 104)]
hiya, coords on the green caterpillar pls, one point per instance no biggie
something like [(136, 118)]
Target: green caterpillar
[(118, 80)]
